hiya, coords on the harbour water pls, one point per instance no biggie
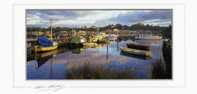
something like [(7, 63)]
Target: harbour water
[(102, 62)]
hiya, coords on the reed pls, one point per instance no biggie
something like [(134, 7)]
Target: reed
[(90, 71)]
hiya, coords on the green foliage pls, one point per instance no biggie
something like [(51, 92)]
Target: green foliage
[(75, 40), (167, 33)]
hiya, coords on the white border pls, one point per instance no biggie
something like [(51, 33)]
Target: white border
[(19, 77)]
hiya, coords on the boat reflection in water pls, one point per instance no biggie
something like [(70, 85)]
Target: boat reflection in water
[(103, 62)]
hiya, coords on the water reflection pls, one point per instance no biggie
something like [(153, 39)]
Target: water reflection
[(102, 62)]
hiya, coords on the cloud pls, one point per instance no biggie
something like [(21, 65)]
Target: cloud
[(91, 17), (140, 16), (76, 18), (160, 22)]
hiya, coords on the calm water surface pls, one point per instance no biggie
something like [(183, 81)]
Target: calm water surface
[(104, 61)]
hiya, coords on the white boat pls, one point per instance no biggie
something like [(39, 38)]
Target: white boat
[(112, 37)]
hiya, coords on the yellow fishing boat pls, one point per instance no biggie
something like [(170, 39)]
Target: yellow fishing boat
[(44, 49), (45, 43)]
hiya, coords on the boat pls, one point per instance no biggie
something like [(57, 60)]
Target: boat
[(46, 44), (149, 37), (75, 43), (38, 48), (135, 52), (90, 45), (138, 46), (112, 37)]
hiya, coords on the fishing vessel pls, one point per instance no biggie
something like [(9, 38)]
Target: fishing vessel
[(46, 44), (39, 48)]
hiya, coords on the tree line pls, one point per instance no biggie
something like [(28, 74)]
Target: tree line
[(165, 32)]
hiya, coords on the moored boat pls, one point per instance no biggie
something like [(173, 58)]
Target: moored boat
[(138, 46), (90, 45), (46, 43), (39, 48), (136, 52), (112, 37), (75, 43)]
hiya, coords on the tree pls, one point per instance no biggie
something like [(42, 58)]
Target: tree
[(167, 32)]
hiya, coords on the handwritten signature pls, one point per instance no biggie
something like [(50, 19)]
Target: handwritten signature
[(53, 88)]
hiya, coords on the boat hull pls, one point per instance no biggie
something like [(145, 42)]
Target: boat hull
[(75, 45), (138, 46), (135, 52), (45, 49)]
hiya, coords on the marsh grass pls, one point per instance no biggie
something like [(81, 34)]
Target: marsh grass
[(90, 71)]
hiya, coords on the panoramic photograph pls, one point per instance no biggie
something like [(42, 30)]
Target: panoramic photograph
[(66, 44)]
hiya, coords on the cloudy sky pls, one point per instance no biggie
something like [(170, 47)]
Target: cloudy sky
[(78, 18)]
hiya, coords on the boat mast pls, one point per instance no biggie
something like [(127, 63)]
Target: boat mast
[(51, 29), (98, 30)]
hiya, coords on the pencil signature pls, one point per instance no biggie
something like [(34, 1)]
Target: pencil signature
[(53, 88)]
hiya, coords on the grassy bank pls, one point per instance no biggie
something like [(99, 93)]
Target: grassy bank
[(167, 53), (90, 71)]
